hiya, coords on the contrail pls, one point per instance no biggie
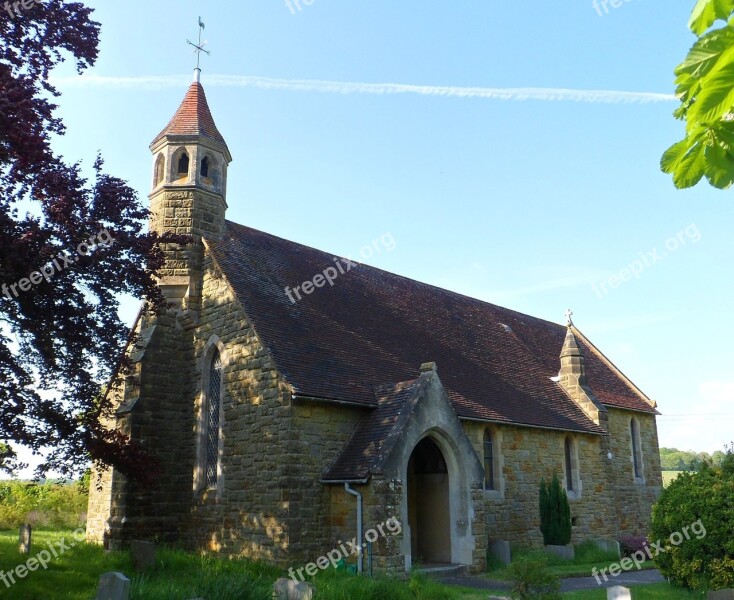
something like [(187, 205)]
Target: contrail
[(380, 89)]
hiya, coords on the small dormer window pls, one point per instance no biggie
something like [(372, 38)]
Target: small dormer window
[(183, 164), (205, 167)]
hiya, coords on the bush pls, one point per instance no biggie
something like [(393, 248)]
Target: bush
[(555, 513), (629, 545), (532, 580), (48, 504), (704, 559)]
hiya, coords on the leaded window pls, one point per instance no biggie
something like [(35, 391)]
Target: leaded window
[(488, 460), (213, 420)]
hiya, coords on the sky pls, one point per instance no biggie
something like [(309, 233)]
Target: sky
[(511, 149)]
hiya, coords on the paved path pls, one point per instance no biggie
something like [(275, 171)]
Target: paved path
[(570, 584)]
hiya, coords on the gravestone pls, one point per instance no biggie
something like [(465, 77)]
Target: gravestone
[(24, 539), (288, 589), (142, 555), (619, 593), (721, 595), (564, 552), (608, 545), (500, 549), (113, 586)]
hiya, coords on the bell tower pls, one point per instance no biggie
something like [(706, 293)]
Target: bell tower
[(189, 195)]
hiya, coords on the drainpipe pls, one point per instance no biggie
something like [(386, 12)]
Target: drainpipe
[(349, 490)]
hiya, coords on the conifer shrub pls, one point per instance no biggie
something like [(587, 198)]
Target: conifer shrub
[(555, 513)]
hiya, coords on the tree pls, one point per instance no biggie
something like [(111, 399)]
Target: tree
[(555, 513), (693, 521), (705, 87), (61, 335)]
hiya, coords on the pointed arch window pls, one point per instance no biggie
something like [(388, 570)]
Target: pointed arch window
[(159, 170), (636, 449), (205, 167), (183, 164), (213, 420), (489, 456), (570, 466)]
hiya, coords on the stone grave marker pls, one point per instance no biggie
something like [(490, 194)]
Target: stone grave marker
[(24, 539), (142, 554), (500, 549), (288, 589), (113, 586), (619, 593)]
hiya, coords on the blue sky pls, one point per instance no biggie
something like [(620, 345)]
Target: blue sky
[(527, 203)]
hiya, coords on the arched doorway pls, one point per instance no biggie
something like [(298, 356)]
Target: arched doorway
[(428, 504)]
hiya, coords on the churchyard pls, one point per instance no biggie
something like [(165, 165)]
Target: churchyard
[(75, 573)]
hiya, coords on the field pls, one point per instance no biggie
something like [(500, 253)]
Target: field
[(178, 575), (669, 476)]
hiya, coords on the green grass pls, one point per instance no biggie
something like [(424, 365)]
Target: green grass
[(179, 576), (669, 476), (655, 591), (588, 556)]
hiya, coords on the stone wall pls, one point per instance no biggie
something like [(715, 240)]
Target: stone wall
[(609, 505), (248, 515), (634, 499), (320, 514)]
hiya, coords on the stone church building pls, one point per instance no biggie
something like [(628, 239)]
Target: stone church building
[(278, 420)]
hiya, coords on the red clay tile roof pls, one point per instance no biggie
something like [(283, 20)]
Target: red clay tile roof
[(193, 117), (376, 434), (373, 328)]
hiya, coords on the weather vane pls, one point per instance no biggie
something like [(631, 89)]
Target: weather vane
[(199, 48)]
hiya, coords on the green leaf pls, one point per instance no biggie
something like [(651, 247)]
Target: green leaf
[(719, 167), (691, 168), (716, 96), (674, 155), (707, 11)]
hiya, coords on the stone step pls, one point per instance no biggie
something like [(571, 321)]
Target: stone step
[(442, 570)]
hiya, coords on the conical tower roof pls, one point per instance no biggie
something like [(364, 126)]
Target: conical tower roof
[(193, 118)]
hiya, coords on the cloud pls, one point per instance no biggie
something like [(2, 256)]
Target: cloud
[(380, 89)]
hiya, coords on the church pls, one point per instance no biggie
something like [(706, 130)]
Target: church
[(284, 426)]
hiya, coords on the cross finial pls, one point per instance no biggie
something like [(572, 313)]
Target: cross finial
[(198, 49), (569, 314)]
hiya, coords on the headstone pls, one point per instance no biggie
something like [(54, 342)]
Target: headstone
[(564, 552), (288, 589), (608, 545), (113, 586), (500, 549), (142, 555), (619, 593), (721, 595), (24, 539)]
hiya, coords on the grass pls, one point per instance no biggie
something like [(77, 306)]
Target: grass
[(656, 591), (180, 575), (587, 557), (669, 476)]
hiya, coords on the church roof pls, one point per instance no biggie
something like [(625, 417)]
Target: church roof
[(372, 328), (193, 118)]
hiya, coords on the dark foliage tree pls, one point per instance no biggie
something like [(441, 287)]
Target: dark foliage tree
[(555, 513), (61, 337)]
